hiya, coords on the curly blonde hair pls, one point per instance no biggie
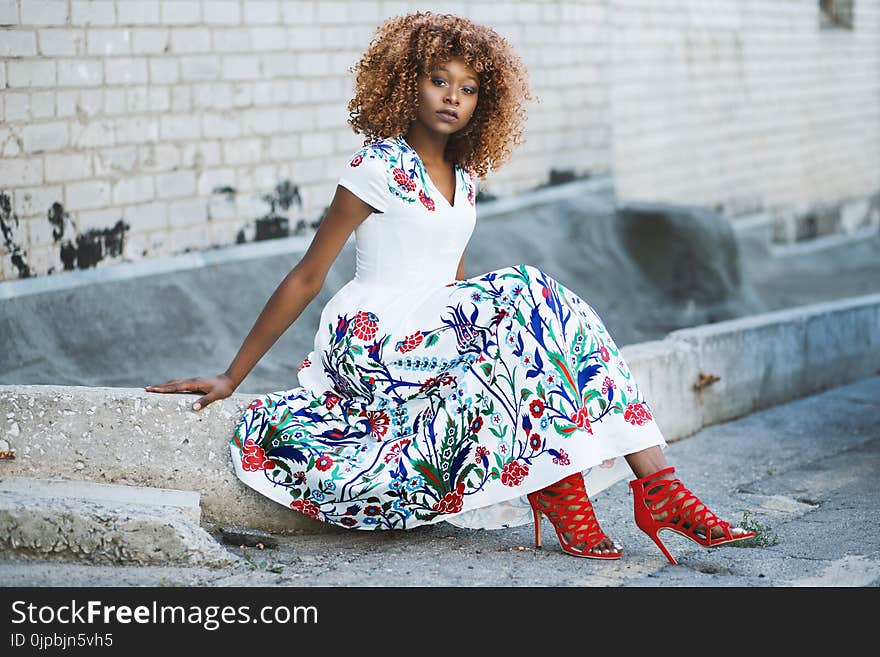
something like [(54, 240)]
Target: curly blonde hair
[(405, 47)]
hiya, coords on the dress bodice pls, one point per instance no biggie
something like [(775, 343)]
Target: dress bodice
[(414, 236)]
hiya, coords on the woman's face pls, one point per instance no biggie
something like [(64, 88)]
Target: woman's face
[(448, 96)]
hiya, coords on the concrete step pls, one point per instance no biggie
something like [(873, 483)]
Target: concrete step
[(104, 524)]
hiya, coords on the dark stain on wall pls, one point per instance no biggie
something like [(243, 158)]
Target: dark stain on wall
[(93, 246), (226, 189), (89, 248), (273, 225), (57, 215), (9, 225)]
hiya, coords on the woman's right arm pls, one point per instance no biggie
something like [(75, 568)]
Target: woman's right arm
[(287, 302)]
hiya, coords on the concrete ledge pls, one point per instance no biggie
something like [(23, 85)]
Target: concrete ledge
[(104, 524), (124, 435), (761, 361)]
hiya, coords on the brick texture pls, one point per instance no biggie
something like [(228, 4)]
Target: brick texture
[(184, 118)]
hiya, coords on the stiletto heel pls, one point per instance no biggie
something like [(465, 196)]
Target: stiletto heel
[(537, 517), (568, 508), (683, 512)]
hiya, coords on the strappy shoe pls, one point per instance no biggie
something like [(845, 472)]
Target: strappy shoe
[(569, 510), (682, 512)]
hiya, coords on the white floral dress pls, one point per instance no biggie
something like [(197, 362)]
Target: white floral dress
[(428, 398)]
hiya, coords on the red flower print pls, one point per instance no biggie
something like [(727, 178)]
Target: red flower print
[(403, 181), (396, 451), (582, 419), (306, 363), (323, 462), (535, 441), (365, 325), (330, 401), (481, 452), (452, 502), (477, 424), (356, 160), (253, 457), (410, 342), (444, 379), (378, 421), (603, 352), (348, 521), (536, 406), (607, 384), (427, 202), (372, 510), (636, 413), (562, 459), (256, 404), (513, 473), (305, 506), (430, 382)]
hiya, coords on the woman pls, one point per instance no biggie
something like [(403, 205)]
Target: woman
[(486, 401)]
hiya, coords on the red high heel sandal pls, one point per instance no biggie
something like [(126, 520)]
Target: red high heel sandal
[(684, 512), (568, 509)]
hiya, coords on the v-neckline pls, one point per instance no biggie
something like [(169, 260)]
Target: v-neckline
[(431, 181)]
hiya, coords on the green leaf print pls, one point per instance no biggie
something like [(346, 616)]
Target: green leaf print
[(466, 471), (432, 340), (430, 475), (539, 390), (487, 368), (564, 429), (524, 393), (357, 349)]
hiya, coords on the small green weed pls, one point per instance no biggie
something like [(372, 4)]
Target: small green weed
[(265, 565), (764, 536)]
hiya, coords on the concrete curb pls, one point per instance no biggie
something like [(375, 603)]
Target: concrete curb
[(104, 524), (125, 435)]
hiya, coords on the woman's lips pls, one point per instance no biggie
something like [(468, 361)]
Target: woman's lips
[(446, 116)]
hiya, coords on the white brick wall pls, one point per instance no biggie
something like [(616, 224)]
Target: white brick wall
[(144, 110), (746, 105)]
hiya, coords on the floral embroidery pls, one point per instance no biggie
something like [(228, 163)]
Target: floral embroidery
[(509, 378), (427, 202), (407, 178), (305, 506), (637, 413)]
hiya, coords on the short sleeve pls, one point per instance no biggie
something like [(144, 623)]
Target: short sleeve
[(364, 176)]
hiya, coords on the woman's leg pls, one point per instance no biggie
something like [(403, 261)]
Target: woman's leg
[(651, 460)]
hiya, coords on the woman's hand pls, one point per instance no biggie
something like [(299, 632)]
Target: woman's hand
[(216, 387)]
